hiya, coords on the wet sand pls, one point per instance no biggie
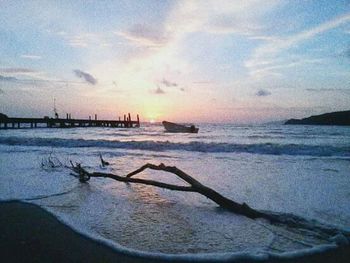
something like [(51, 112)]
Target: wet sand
[(30, 234)]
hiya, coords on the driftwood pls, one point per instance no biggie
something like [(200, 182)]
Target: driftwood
[(280, 219), (103, 162), (51, 162)]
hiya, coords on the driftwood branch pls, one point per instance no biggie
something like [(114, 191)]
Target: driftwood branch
[(288, 220), (222, 201), (51, 162), (103, 162), (84, 176)]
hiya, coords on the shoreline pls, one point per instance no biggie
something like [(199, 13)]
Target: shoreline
[(28, 233)]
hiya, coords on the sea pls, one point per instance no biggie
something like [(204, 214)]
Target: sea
[(293, 169)]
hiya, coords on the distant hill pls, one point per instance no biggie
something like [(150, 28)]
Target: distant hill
[(3, 116), (332, 118), (280, 122)]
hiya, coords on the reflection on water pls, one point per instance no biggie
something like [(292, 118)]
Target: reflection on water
[(155, 216)]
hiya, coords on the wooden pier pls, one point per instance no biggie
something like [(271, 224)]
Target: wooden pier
[(46, 122)]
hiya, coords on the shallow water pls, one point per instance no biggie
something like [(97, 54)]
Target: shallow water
[(302, 170)]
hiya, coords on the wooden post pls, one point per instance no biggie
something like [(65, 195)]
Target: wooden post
[(67, 116), (129, 124), (31, 125), (35, 124), (95, 117)]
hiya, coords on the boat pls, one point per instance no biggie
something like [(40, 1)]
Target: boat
[(174, 127)]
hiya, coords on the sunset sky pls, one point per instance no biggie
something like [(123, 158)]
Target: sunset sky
[(197, 61)]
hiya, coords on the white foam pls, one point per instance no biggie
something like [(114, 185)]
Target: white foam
[(191, 146)]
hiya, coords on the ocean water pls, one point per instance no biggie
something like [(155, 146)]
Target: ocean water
[(303, 170)]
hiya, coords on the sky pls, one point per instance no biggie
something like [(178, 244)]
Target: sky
[(248, 61)]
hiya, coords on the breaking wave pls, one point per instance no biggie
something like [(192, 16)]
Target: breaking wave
[(194, 146)]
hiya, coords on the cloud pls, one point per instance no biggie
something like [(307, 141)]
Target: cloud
[(34, 57), (328, 90), (215, 17), (279, 44), (262, 93), (153, 50), (25, 81), (270, 68), (168, 83), (265, 55), (86, 76), (78, 41), (17, 70), (145, 35), (82, 39), (203, 82), (61, 33), (159, 91), (10, 79), (347, 52), (220, 16), (44, 82)]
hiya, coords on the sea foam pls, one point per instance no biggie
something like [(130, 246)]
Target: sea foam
[(192, 146)]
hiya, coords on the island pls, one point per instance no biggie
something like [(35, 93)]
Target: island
[(332, 118)]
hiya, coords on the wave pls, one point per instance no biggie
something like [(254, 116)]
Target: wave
[(194, 146)]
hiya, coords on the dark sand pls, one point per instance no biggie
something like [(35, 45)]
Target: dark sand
[(30, 234)]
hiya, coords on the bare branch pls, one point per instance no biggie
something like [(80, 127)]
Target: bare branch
[(169, 169), (103, 162), (82, 172)]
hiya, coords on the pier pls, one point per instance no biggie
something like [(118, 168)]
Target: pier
[(47, 122)]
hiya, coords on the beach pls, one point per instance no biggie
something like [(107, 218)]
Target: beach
[(30, 234), (272, 168)]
